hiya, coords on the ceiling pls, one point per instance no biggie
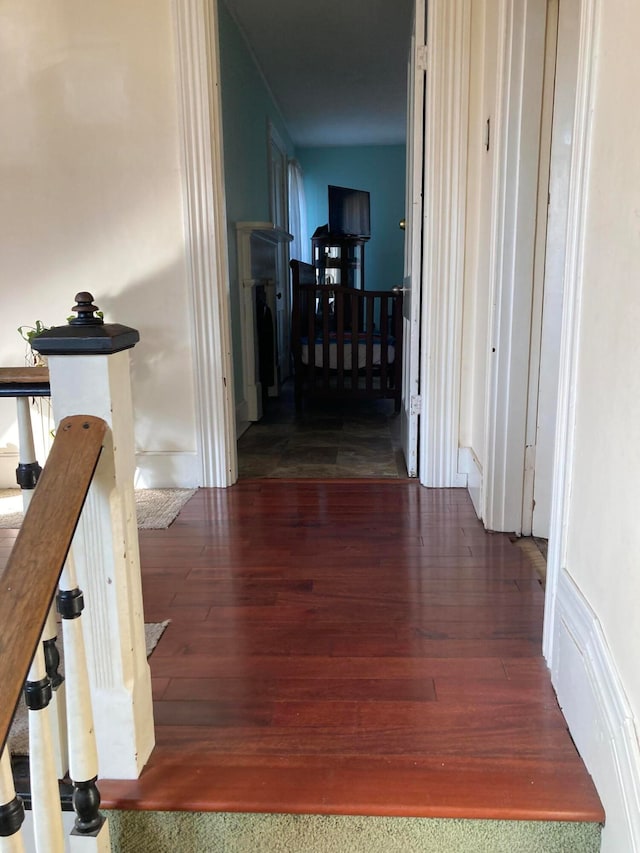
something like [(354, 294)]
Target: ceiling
[(336, 68)]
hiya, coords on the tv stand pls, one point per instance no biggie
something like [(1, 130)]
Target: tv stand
[(338, 259)]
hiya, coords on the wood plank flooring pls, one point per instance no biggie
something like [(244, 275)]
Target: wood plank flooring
[(355, 647)]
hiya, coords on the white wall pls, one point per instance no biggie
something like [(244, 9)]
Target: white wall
[(592, 639), (604, 516), (92, 200)]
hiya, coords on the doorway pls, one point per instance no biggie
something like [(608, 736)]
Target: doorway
[(278, 413), (197, 48)]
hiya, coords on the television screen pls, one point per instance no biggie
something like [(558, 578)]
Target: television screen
[(349, 212)]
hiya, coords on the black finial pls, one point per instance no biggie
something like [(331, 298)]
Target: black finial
[(85, 309), (85, 334)]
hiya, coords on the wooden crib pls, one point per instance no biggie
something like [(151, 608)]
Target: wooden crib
[(346, 342)]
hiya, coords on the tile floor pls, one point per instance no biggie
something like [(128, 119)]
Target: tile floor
[(327, 439)]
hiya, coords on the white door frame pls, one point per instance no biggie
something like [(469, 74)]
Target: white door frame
[(414, 221), (447, 109), (196, 36), (449, 27)]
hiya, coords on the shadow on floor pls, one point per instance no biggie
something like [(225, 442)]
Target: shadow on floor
[(327, 439)]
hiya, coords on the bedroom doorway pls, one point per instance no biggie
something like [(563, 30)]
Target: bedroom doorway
[(338, 439), (211, 441)]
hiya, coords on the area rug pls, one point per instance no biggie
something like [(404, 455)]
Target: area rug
[(155, 508), (19, 733)]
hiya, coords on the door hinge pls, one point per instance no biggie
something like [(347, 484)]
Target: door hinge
[(416, 405), (422, 57)]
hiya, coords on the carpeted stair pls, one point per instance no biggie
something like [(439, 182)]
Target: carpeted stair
[(212, 832)]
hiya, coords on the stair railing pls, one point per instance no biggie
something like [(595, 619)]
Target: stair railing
[(90, 373), (89, 377), (25, 384), (37, 564)]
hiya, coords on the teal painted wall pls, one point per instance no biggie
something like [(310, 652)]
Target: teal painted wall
[(247, 108), (381, 171)]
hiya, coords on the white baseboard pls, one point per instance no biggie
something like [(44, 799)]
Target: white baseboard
[(167, 470), (154, 470), (468, 464), (600, 720), (8, 464)]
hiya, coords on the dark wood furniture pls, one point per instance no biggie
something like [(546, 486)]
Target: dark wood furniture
[(346, 342), (338, 259)]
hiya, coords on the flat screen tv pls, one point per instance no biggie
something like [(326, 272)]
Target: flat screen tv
[(349, 212)]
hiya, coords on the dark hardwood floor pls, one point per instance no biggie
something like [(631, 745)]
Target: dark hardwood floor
[(356, 647)]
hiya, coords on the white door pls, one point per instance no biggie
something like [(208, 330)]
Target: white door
[(544, 410), (561, 151), (413, 241)]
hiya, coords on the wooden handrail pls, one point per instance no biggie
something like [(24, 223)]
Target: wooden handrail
[(24, 382), (29, 581)]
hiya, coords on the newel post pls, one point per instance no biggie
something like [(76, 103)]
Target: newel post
[(89, 375)]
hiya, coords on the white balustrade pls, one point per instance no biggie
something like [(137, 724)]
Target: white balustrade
[(83, 755), (45, 795), (102, 718)]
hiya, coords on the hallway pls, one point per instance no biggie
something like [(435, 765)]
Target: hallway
[(350, 647)]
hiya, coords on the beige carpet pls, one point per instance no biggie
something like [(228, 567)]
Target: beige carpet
[(155, 508), (19, 732), (188, 832)]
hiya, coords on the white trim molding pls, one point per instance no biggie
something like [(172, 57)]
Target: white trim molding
[(155, 469), (196, 35), (167, 469), (600, 720), (447, 109), (8, 463), (259, 263), (469, 466)]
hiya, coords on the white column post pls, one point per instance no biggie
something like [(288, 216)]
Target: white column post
[(45, 796), (89, 374), (91, 830)]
